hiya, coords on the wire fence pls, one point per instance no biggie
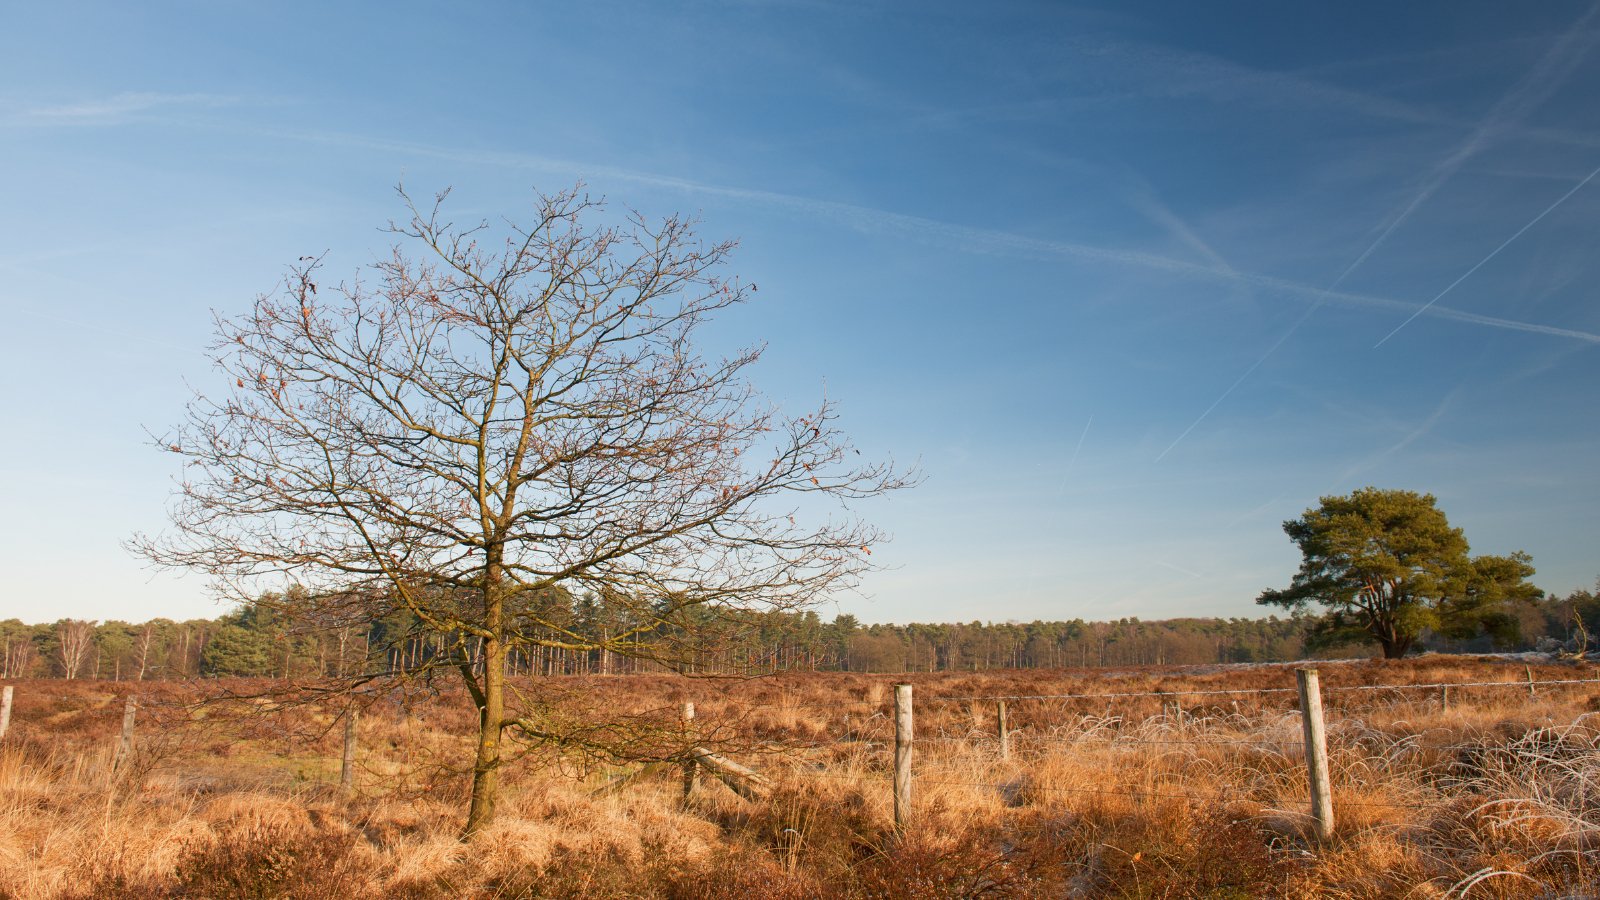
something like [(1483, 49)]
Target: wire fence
[(1012, 745), (1191, 692), (1017, 748)]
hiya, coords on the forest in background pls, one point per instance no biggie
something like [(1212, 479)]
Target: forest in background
[(265, 639)]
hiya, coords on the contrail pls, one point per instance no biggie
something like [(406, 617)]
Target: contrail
[(1496, 252), (119, 331), (1241, 379), (1075, 451), (1145, 199), (1177, 569), (878, 221), (1410, 438), (1553, 69)]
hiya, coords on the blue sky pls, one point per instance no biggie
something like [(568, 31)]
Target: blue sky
[(1125, 278)]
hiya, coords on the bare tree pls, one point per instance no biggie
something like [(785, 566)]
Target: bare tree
[(475, 434), (74, 640), (143, 644), (20, 654)]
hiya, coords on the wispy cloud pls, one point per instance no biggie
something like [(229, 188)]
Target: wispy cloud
[(1168, 72), (870, 220), (1137, 71), (38, 309), (114, 108), (1257, 510), (1415, 434), (1552, 70), (1102, 73)]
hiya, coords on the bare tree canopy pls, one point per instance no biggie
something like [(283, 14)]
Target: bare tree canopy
[(484, 421)]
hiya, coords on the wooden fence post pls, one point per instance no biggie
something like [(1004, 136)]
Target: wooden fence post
[(1005, 733), (1444, 698), (691, 771), (347, 769), (5, 710), (1529, 671), (904, 734), (125, 746), (1316, 751)]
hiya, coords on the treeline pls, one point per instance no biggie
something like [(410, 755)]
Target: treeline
[(258, 640)]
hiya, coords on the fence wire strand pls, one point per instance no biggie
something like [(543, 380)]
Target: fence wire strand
[(1198, 692), (1023, 786)]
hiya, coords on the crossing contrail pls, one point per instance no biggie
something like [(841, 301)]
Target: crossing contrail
[(1492, 254), (1552, 70)]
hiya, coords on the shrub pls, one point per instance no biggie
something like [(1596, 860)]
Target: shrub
[(270, 861)]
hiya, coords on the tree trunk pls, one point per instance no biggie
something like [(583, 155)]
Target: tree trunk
[(1394, 648), (491, 714)]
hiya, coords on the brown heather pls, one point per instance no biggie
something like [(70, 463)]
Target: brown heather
[(1104, 797)]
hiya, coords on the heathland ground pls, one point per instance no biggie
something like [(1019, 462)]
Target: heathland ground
[(1482, 791)]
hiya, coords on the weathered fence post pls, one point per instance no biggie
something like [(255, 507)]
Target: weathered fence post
[(1444, 698), (1005, 733), (5, 710), (1316, 751), (125, 746), (1529, 671), (347, 770), (691, 771), (903, 737)]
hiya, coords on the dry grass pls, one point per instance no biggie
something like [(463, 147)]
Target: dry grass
[(1101, 797)]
